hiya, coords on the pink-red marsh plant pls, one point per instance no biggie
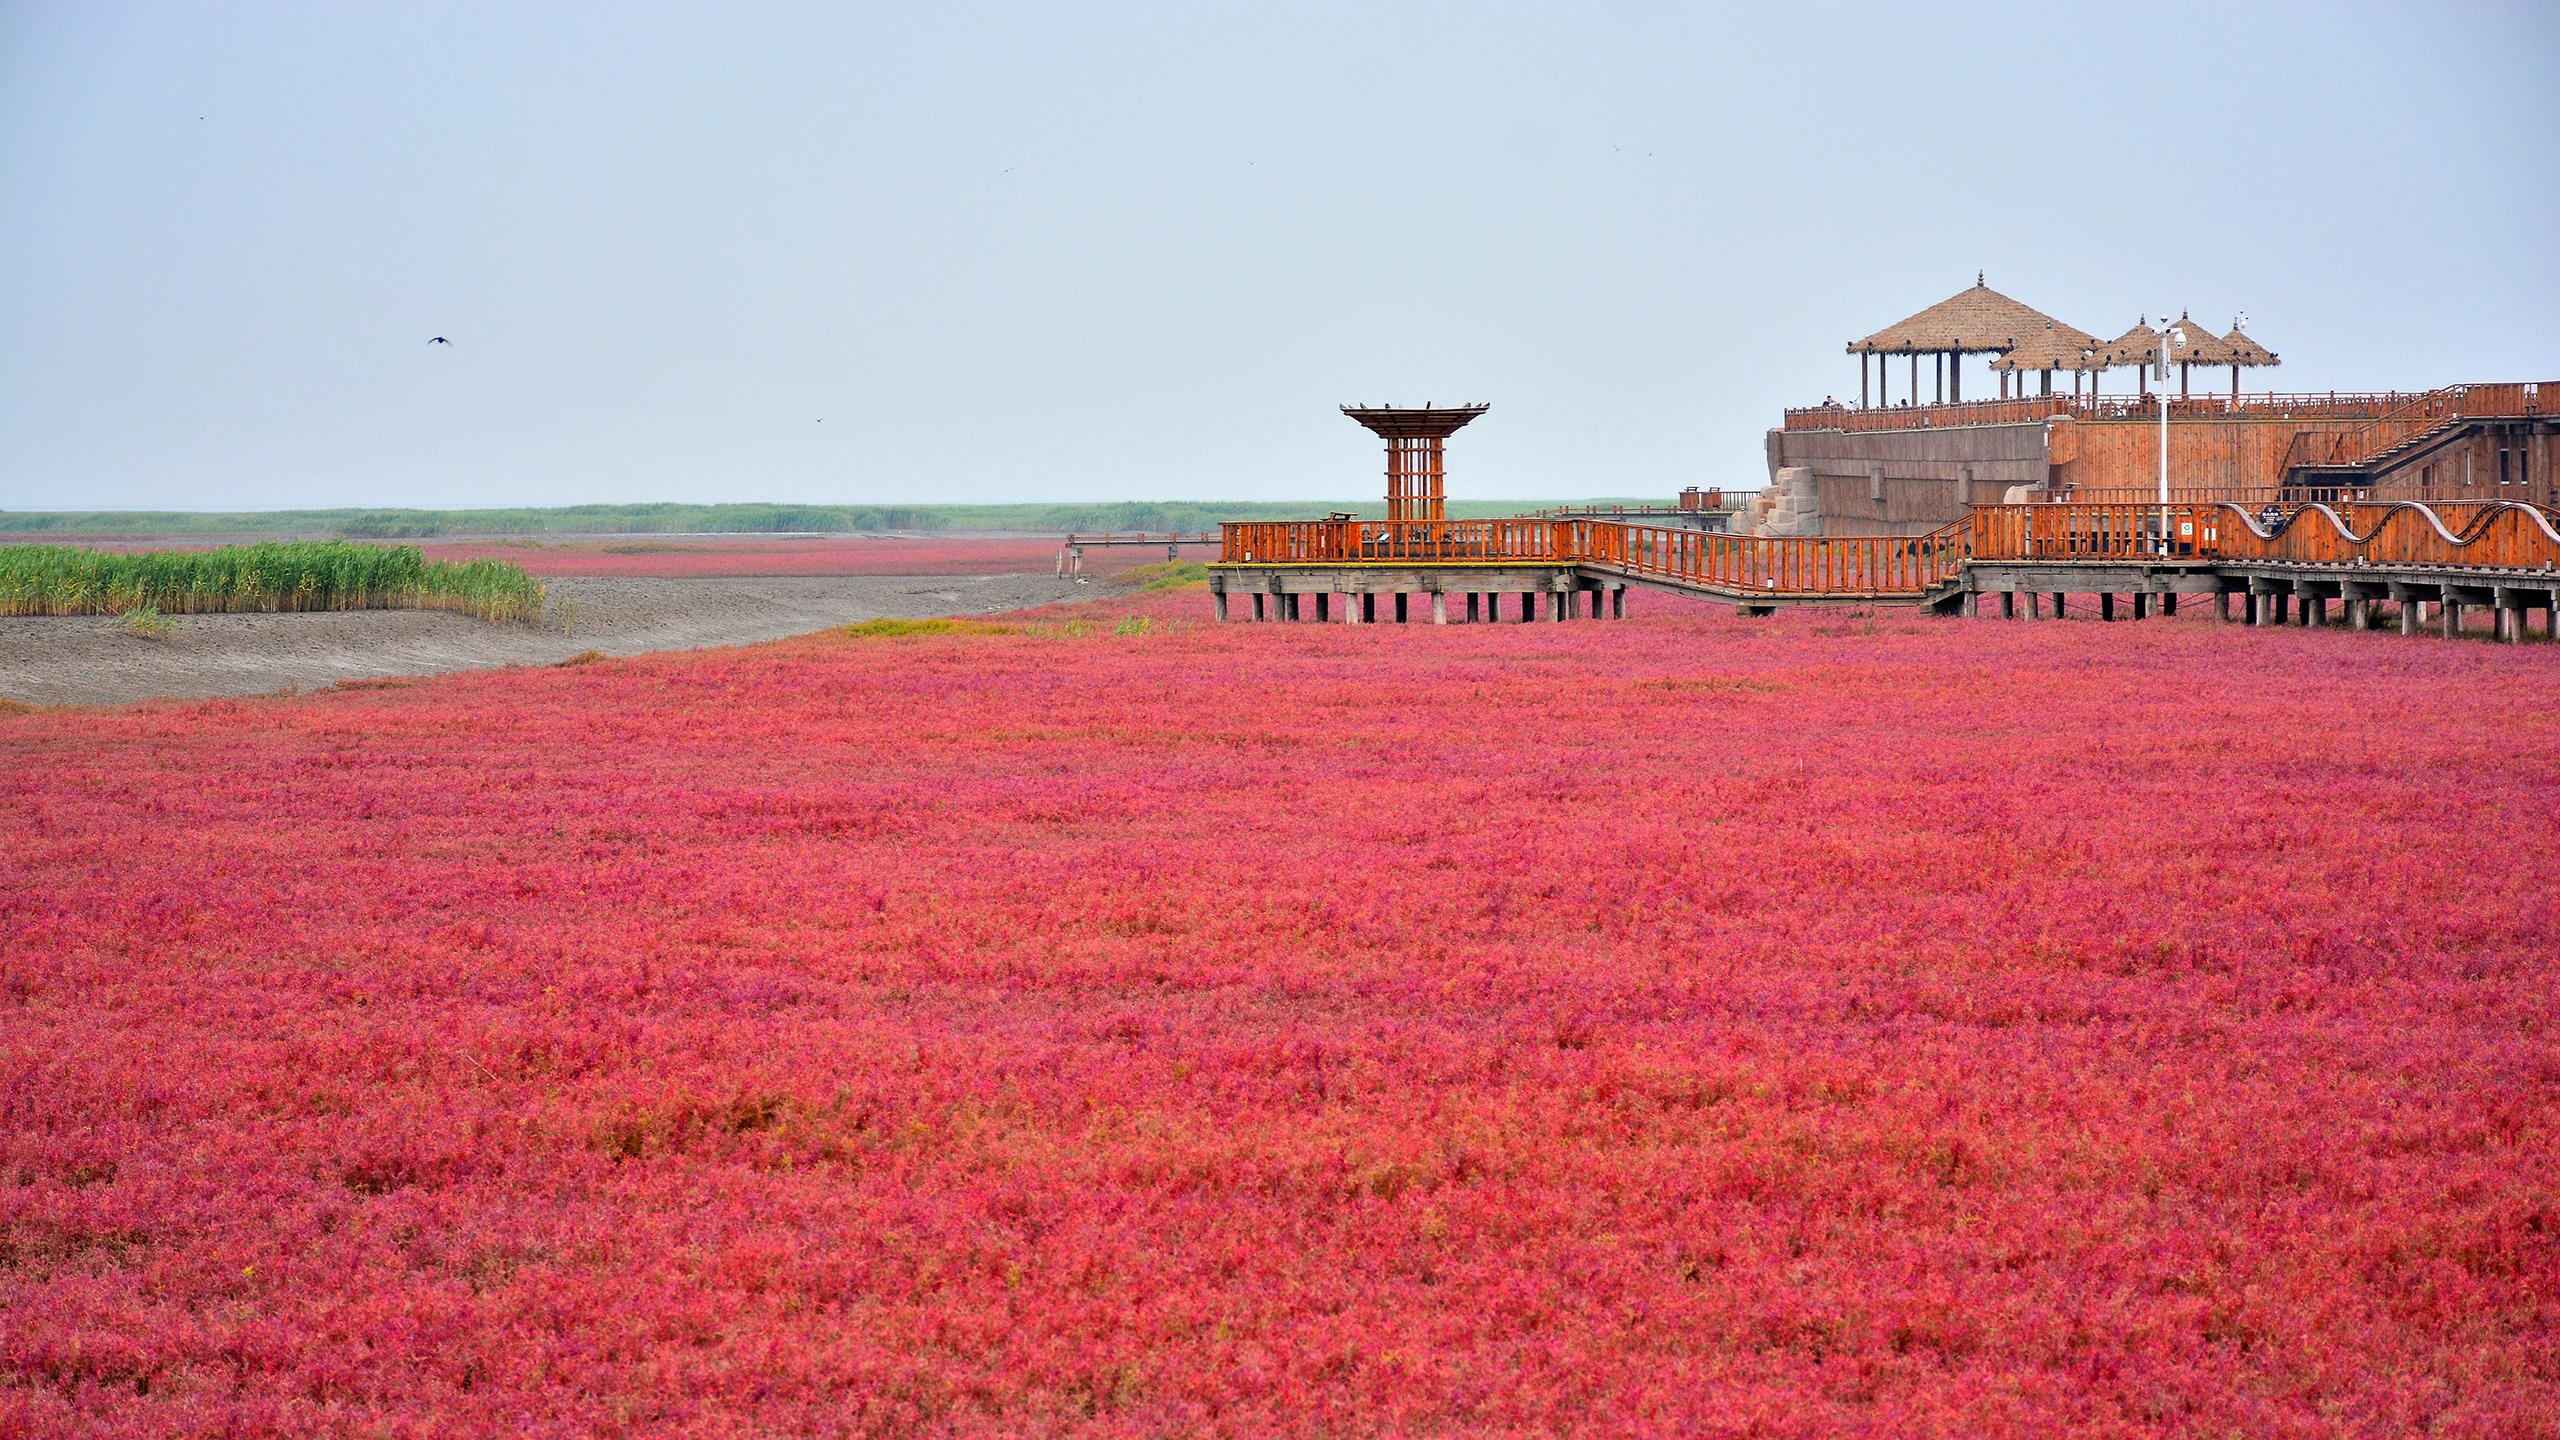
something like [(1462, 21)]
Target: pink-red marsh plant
[(1830, 1025)]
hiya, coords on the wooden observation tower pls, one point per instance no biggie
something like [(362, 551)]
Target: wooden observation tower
[(1417, 468)]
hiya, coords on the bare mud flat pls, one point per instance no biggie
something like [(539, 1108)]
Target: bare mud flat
[(88, 660)]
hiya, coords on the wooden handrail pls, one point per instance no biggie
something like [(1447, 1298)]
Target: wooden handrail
[(2494, 534), (2541, 398)]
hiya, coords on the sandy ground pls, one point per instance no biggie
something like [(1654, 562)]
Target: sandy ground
[(89, 661)]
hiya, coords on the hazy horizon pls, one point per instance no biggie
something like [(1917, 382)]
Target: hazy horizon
[(990, 255)]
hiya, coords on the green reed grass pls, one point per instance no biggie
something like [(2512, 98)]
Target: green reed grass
[(269, 578)]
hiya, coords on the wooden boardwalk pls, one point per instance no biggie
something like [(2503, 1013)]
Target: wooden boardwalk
[(2504, 557)]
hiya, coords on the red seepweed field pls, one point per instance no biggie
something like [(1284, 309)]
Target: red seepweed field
[(1828, 1025)]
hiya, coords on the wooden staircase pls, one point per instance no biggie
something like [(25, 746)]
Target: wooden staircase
[(2327, 463)]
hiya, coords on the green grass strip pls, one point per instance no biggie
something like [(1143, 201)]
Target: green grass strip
[(258, 579)]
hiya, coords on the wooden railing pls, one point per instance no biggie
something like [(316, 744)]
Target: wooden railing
[(2508, 537), (1341, 542), (1916, 417), (2491, 399), (2489, 535), (2252, 495), (1867, 564)]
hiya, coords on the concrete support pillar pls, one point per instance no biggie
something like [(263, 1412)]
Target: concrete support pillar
[(2060, 606), (2035, 604), (1473, 597), (2359, 613), (1220, 599), (1324, 607), (2283, 603), (1404, 607), (2008, 604), (1599, 603), (2511, 624), (2168, 602), (2409, 617), (1439, 607), (1973, 605), (2221, 606), (1617, 602), (1368, 609), (1289, 604), (2107, 607), (2308, 611), (1258, 598), (2141, 606), (2449, 617)]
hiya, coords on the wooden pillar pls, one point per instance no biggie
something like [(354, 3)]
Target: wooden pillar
[(1939, 365), (1221, 598), (1955, 376), (1915, 377), (1862, 382)]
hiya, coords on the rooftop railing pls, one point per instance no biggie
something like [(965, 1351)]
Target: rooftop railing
[(2491, 399)]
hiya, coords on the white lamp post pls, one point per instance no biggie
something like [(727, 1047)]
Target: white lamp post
[(2160, 376)]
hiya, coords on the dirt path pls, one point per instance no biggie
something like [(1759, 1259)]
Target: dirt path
[(89, 661)]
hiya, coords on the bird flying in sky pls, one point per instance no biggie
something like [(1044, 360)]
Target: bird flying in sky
[(439, 340)]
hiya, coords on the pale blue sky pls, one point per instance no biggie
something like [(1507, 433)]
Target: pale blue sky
[(1090, 251)]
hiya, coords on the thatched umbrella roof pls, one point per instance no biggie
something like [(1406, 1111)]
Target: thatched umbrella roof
[(2194, 344), (2239, 349), (2057, 347), (1969, 322), (2137, 346)]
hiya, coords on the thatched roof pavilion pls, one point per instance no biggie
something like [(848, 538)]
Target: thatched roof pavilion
[(1979, 321), (2239, 350), (2137, 347), (2057, 347)]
